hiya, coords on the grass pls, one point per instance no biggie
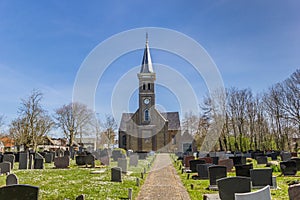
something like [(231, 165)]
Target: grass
[(199, 186), (61, 184)]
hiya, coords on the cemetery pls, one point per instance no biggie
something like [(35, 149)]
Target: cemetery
[(255, 177), (102, 174)]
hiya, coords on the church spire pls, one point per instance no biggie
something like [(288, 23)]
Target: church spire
[(146, 63)]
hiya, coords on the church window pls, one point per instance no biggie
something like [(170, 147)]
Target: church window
[(144, 86), (149, 86), (124, 140), (146, 115)]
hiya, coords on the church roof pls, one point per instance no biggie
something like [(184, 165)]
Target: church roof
[(173, 118), (147, 63)]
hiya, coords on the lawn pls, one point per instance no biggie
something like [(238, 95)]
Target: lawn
[(61, 184), (199, 186)]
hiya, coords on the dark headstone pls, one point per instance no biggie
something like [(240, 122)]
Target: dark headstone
[(285, 156), (261, 177), (202, 170), (116, 174), (90, 160), (80, 159), (215, 160), (216, 172), (193, 164), (9, 158), (23, 160), (238, 160), (80, 197), (24, 192), (261, 160), (5, 167), (38, 161), (186, 160), (11, 179), (230, 185), (17, 154), (207, 159), (67, 153), (288, 168), (116, 154), (48, 157), (294, 192), (62, 162), (243, 170), (297, 163)]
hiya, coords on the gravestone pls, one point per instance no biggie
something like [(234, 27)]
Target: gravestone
[(90, 160), (228, 163), (230, 185), (202, 170), (133, 160), (285, 156), (243, 170), (247, 155), (23, 160), (62, 162), (80, 197), (116, 154), (104, 157), (30, 163), (5, 167), (59, 153), (17, 154), (297, 163), (122, 163), (38, 161), (288, 168), (48, 157), (186, 160), (216, 172), (116, 175), (193, 164), (142, 155), (11, 179), (215, 160), (207, 159), (261, 160), (262, 194), (67, 153), (294, 154), (238, 160), (294, 192), (24, 192), (261, 177), (9, 158), (53, 155), (80, 159)]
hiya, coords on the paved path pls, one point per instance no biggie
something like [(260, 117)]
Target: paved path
[(162, 182)]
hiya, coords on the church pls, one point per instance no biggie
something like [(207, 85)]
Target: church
[(148, 129)]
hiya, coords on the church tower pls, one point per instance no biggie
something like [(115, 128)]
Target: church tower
[(148, 129), (146, 87)]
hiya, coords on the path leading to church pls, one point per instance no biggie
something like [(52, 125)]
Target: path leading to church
[(162, 182)]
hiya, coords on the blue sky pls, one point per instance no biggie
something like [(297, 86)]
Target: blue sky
[(43, 43)]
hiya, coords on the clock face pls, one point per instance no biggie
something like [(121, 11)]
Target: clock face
[(146, 101)]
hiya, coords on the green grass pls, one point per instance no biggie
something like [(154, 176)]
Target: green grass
[(200, 185), (56, 184)]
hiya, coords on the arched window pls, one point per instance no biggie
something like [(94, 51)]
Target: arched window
[(146, 115), (124, 142), (144, 86), (149, 86)]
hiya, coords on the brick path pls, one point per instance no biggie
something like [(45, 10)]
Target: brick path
[(162, 182)]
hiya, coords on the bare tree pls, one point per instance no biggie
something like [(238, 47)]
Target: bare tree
[(74, 119), (109, 126), (33, 122)]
